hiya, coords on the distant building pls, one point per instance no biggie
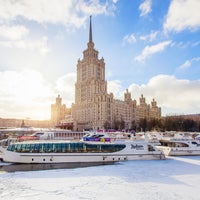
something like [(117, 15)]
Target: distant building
[(24, 123), (94, 108), (147, 111), (58, 111)]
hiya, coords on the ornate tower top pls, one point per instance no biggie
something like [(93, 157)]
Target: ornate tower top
[(90, 34), (90, 43)]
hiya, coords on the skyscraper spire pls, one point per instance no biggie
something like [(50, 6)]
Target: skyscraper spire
[(90, 34)]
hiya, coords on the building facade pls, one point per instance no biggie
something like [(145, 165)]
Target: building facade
[(94, 108), (58, 111)]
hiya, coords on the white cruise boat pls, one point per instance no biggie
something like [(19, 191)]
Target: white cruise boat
[(55, 134), (180, 147), (62, 151)]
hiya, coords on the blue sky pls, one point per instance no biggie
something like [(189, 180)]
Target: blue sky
[(150, 47)]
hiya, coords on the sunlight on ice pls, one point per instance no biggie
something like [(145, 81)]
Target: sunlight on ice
[(173, 178)]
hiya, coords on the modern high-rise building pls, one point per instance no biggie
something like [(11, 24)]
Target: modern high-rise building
[(94, 108)]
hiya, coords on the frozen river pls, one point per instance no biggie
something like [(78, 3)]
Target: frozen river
[(176, 178)]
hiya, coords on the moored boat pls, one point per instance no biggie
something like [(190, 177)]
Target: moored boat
[(57, 134), (56, 151), (180, 147)]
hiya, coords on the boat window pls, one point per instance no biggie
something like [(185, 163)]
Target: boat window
[(10, 148), (24, 147), (65, 147), (56, 134), (93, 148), (47, 148), (38, 134), (57, 148), (18, 148), (30, 148), (100, 135), (179, 144), (36, 148), (109, 148), (194, 143), (151, 148)]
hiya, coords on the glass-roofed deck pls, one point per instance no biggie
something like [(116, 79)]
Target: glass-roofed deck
[(72, 147)]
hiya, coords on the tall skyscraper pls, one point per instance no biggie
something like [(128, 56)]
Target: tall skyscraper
[(94, 108), (91, 99)]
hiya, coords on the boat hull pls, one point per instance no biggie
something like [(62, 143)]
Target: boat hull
[(175, 151), (77, 158), (41, 166)]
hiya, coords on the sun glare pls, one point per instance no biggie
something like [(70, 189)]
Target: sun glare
[(28, 94)]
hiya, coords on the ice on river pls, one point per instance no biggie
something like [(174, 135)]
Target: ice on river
[(176, 178)]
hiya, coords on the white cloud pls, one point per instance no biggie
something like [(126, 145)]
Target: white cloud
[(67, 12), (39, 45), (196, 43), (65, 86), (150, 50), (183, 14), (95, 7), (174, 96), (40, 11), (188, 63), (17, 36), (13, 32), (196, 59), (152, 36), (129, 39), (145, 7), (185, 65), (115, 87)]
